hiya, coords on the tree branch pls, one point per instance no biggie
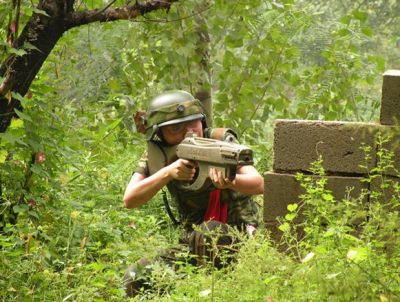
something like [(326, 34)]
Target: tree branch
[(126, 12)]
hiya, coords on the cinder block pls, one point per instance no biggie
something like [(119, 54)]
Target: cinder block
[(298, 143), (280, 190), (390, 104)]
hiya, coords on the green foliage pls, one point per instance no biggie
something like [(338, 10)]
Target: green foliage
[(65, 162), (344, 243), (13, 17), (72, 237), (63, 172)]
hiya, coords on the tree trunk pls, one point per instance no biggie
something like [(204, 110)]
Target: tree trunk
[(204, 84)]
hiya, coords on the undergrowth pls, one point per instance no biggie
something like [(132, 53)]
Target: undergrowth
[(73, 239)]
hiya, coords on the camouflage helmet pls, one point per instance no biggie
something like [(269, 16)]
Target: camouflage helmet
[(171, 107)]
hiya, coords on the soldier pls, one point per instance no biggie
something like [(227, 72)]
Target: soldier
[(225, 203)]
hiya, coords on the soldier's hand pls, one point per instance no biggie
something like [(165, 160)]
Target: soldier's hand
[(219, 181), (182, 169)]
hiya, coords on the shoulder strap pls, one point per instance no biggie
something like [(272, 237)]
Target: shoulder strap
[(158, 157), (168, 209)]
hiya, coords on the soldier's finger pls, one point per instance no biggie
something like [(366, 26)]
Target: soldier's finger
[(189, 163), (216, 178), (220, 180)]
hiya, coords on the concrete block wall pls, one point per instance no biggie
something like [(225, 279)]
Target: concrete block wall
[(298, 143)]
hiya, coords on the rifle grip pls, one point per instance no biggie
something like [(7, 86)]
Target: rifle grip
[(203, 181), (200, 183)]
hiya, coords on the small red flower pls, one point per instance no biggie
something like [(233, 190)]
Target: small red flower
[(40, 157), (12, 27), (132, 225), (29, 95), (32, 203), (17, 162)]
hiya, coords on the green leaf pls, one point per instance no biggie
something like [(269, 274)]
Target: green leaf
[(18, 52), (329, 232), (345, 19), (30, 46), (16, 123), (331, 115), (34, 144), (350, 237), (330, 276), (381, 63), (367, 31), (20, 208), (33, 213), (125, 253), (3, 156), (357, 254), (233, 42), (344, 32), (291, 216), (12, 139), (284, 227), (328, 55), (308, 258), (295, 80), (39, 11), (276, 34), (5, 244), (108, 127), (172, 57), (327, 197), (36, 168), (362, 16), (292, 207), (46, 88), (22, 115), (270, 279), (18, 97), (98, 284)]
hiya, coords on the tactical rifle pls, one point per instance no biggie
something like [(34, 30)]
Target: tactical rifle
[(223, 156)]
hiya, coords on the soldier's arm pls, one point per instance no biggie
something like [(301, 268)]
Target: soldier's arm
[(247, 181), (141, 189)]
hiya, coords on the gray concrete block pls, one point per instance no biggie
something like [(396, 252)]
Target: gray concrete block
[(280, 190), (390, 104), (298, 143)]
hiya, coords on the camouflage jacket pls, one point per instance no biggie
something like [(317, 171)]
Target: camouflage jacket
[(242, 210)]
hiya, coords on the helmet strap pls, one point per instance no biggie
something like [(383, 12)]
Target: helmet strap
[(157, 137), (154, 130)]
